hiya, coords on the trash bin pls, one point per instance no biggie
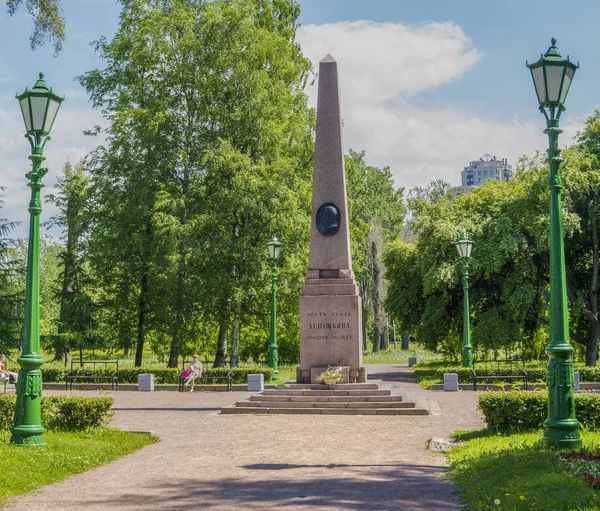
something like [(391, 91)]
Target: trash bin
[(256, 382), (412, 361), (145, 382), (450, 382)]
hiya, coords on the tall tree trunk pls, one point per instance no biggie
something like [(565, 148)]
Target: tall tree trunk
[(179, 304), (62, 348), (384, 338), (378, 291), (405, 339), (364, 329), (235, 334), (591, 350), (376, 339), (591, 311), (221, 358), (142, 306)]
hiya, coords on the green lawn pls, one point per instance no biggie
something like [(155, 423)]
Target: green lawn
[(398, 356), (519, 473), (25, 469)]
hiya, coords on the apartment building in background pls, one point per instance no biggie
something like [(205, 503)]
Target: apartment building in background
[(488, 168)]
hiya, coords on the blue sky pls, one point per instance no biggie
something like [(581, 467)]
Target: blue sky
[(427, 85)]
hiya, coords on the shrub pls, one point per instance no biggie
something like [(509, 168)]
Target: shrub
[(519, 411), (67, 413), (162, 375), (465, 375), (534, 374)]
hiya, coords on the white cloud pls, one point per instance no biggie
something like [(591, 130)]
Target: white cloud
[(383, 60), (382, 66), (68, 144)]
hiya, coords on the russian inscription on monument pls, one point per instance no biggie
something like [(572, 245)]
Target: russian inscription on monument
[(330, 307)]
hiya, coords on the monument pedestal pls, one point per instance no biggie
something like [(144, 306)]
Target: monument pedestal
[(330, 326)]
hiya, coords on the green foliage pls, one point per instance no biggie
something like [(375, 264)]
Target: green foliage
[(189, 187), (399, 356), (536, 373), (11, 292), (519, 411), (48, 21), (376, 213), (75, 326), (66, 413), (65, 454), (509, 265), (519, 473), (162, 375), (74, 413)]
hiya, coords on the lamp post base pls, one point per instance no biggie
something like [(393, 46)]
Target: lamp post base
[(27, 428), (562, 434), (273, 361), (28, 438)]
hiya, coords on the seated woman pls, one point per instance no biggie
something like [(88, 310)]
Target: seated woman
[(4, 374), (196, 368)]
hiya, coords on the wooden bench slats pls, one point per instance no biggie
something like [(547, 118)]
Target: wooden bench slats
[(227, 378), (512, 375), (70, 377)]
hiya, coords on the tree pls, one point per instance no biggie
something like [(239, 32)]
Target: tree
[(376, 212), (582, 164), (48, 21), (76, 322), (12, 294), (509, 224), (208, 146)]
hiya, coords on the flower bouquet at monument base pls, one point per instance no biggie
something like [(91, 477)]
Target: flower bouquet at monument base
[(332, 375)]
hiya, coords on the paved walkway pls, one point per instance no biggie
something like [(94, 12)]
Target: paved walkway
[(219, 462)]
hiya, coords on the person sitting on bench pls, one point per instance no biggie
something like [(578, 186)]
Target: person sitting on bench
[(196, 372), (4, 374)]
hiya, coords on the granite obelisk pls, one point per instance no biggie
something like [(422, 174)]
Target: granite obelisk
[(330, 307)]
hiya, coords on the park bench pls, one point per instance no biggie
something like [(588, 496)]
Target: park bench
[(226, 378), (506, 369), (92, 375)]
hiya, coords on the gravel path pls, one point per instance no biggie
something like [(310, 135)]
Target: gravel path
[(293, 462)]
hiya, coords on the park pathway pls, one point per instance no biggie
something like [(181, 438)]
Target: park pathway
[(214, 462)]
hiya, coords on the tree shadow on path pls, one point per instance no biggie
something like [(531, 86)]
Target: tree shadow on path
[(405, 487)]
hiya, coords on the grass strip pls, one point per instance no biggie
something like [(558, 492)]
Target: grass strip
[(515, 473), (25, 469)]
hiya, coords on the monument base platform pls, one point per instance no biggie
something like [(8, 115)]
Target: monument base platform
[(339, 399), (330, 326)]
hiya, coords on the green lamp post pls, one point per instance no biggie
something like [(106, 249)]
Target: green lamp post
[(39, 107), (274, 250), (464, 246), (552, 76)]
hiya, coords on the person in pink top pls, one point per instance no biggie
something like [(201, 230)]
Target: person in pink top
[(196, 372)]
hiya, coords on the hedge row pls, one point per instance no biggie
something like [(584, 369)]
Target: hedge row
[(162, 375), (535, 375), (67, 413), (518, 411)]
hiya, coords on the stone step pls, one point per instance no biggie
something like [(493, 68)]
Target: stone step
[(319, 404), (285, 392), (337, 386), (324, 411), (378, 399)]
